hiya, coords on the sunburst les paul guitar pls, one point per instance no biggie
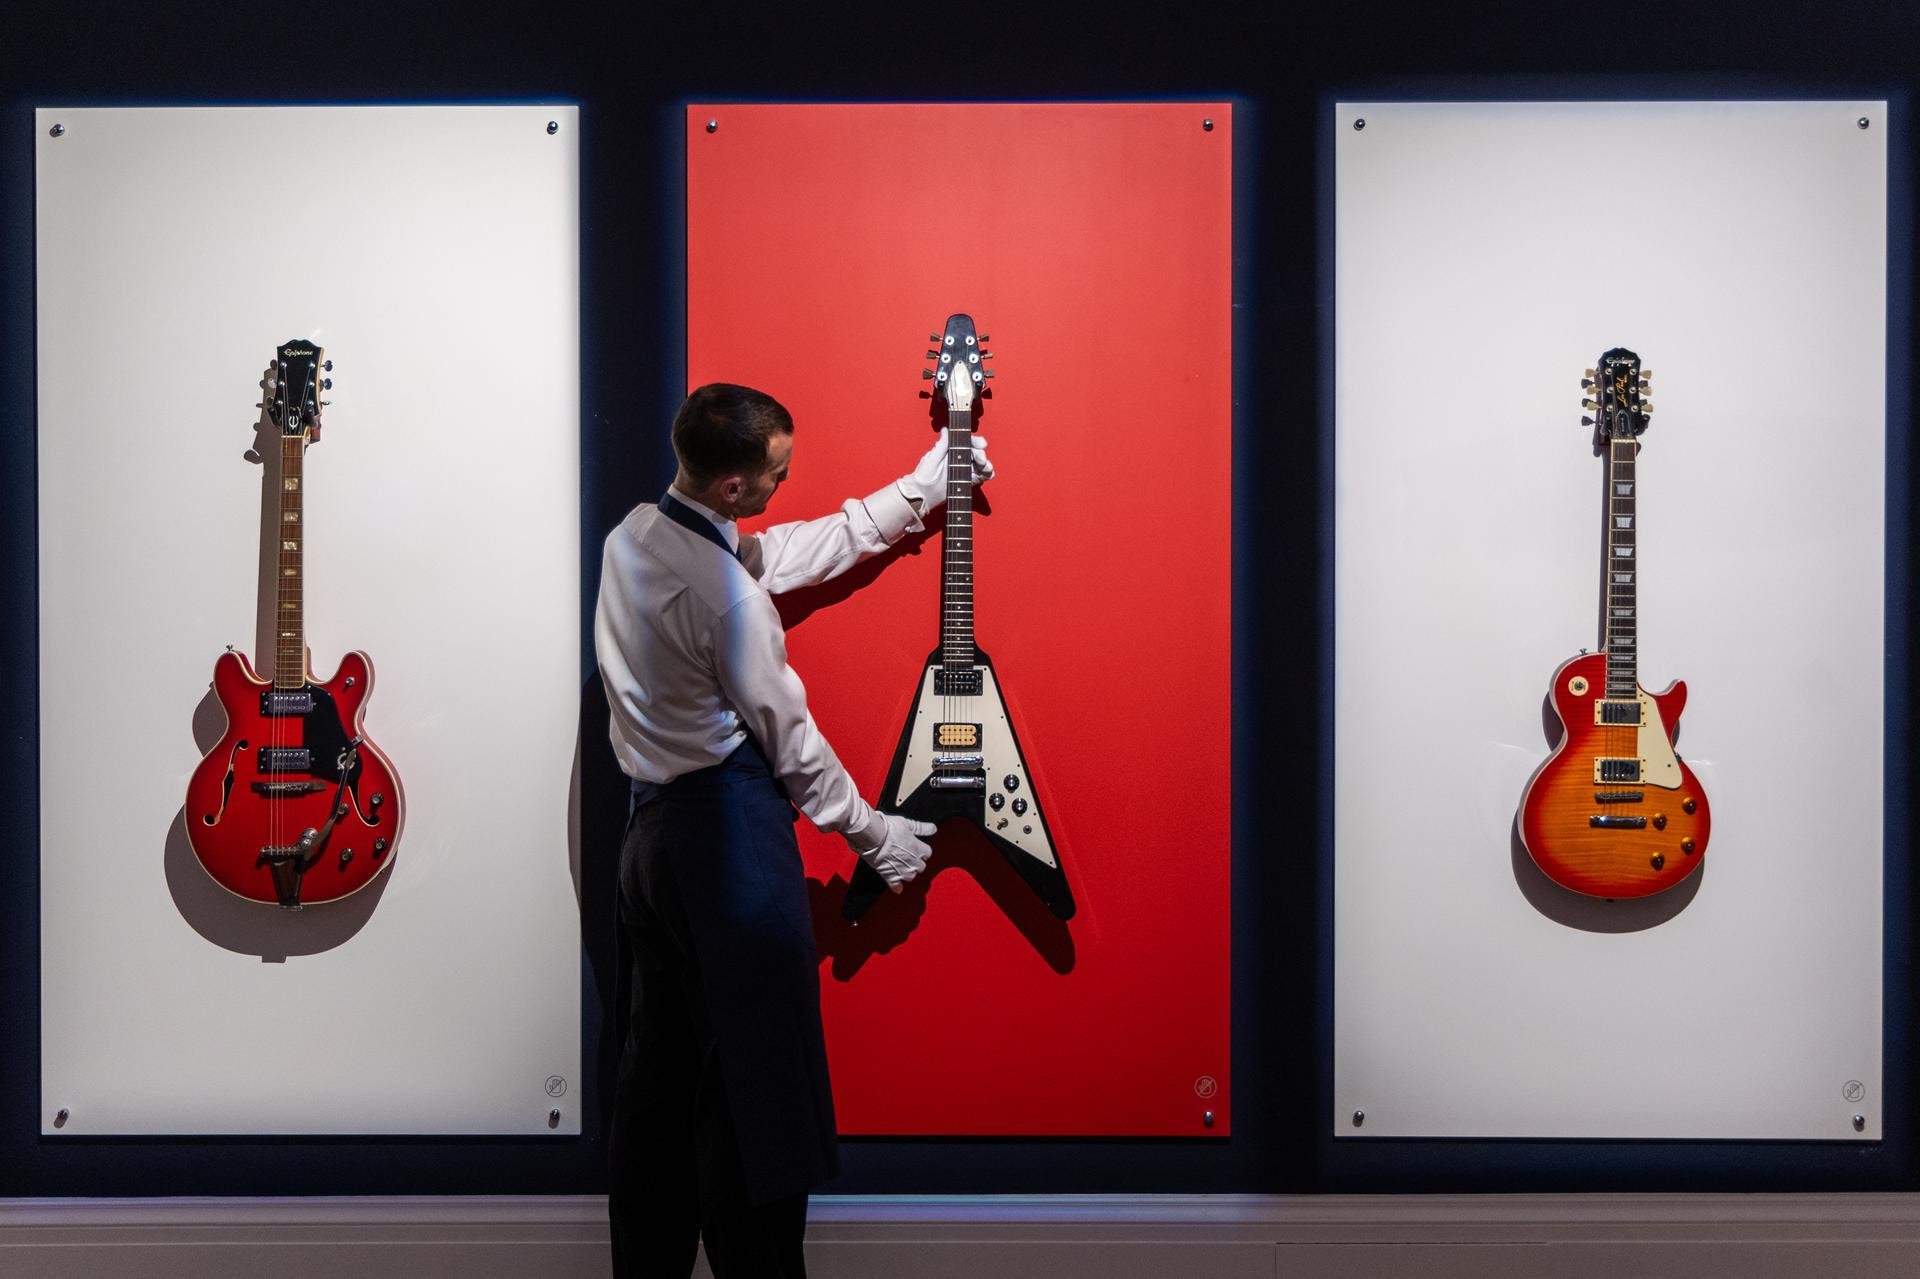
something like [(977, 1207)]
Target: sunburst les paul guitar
[(957, 756), (293, 806), (1614, 811)]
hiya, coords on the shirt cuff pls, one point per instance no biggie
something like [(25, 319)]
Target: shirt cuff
[(893, 515)]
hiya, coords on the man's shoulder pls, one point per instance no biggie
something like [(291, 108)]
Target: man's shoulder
[(670, 554)]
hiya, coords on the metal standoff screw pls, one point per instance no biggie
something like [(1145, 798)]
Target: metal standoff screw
[(1207, 124), (60, 130), (1859, 1122), (1360, 124), (713, 126), (1863, 122), (553, 126), (1359, 1117), (1206, 1118), (60, 1118), (553, 1119)]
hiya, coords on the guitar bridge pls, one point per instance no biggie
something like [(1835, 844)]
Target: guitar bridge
[(1616, 821)]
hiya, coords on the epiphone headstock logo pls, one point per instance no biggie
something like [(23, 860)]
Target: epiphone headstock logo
[(303, 351)]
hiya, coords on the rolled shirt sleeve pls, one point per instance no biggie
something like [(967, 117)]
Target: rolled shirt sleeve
[(809, 552)]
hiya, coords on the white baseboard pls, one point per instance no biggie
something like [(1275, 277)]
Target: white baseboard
[(1005, 1237)]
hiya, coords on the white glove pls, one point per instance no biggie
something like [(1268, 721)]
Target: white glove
[(927, 485), (894, 846)]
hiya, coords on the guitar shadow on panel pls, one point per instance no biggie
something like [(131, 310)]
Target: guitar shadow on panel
[(1578, 910), (894, 918)]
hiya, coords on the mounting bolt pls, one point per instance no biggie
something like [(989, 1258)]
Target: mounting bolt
[(553, 126), (1359, 124), (1207, 124), (60, 1119), (59, 130), (1359, 1118), (1863, 122), (1859, 1122), (553, 1119), (713, 126)]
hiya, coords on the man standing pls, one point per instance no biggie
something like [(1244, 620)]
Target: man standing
[(723, 1116)]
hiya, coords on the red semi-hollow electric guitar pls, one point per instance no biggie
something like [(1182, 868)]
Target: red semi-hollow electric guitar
[(1615, 812), (293, 806)]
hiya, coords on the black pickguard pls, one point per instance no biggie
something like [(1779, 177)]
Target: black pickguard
[(926, 804)]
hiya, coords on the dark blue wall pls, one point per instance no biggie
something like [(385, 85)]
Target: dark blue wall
[(631, 67)]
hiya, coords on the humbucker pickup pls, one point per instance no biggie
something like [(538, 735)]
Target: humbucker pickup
[(285, 759), (1612, 711), (1618, 770), (286, 701), (958, 779), (949, 737), (958, 682), (1618, 821)]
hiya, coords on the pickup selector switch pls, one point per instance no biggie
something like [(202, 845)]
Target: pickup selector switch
[(1011, 782)]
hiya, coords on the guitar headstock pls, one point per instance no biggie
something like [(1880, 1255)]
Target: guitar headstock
[(959, 371), (1615, 393), (293, 389)]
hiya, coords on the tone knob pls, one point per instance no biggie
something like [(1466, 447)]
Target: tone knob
[(1019, 807), (1686, 846), (1659, 821), (1011, 782), (379, 847), (1658, 860), (996, 801), (1687, 805)]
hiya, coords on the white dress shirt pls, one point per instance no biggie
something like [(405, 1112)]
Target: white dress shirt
[(693, 654)]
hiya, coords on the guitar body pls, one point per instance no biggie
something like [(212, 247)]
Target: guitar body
[(958, 758), (276, 777), (1651, 831)]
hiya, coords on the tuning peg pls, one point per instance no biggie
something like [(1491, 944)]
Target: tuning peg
[(1591, 374), (933, 337), (1586, 384), (933, 355), (988, 372), (1589, 404), (1646, 408), (327, 365), (1645, 374), (325, 403), (926, 373), (1586, 421), (986, 355), (326, 384), (985, 339)]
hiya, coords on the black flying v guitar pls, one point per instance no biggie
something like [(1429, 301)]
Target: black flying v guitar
[(957, 756)]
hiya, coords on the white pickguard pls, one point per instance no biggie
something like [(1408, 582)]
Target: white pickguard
[(1027, 832), (1659, 765)]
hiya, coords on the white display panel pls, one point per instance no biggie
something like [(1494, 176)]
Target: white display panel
[(433, 251), (1485, 254)]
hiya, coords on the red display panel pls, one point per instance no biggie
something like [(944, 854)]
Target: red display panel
[(1093, 243)]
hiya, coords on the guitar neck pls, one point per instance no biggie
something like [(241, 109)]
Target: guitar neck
[(1620, 628), (289, 604), (956, 564)]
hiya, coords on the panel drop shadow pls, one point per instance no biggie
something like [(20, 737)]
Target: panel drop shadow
[(892, 920), (1578, 910)]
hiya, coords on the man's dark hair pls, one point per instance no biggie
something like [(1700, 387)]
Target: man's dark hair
[(723, 429)]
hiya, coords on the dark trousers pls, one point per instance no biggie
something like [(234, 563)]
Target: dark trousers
[(676, 1171)]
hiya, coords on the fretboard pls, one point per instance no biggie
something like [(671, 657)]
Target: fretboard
[(289, 614), (1620, 635), (956, 564)]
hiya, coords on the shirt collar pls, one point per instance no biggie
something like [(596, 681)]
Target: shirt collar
[(728, 528)]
